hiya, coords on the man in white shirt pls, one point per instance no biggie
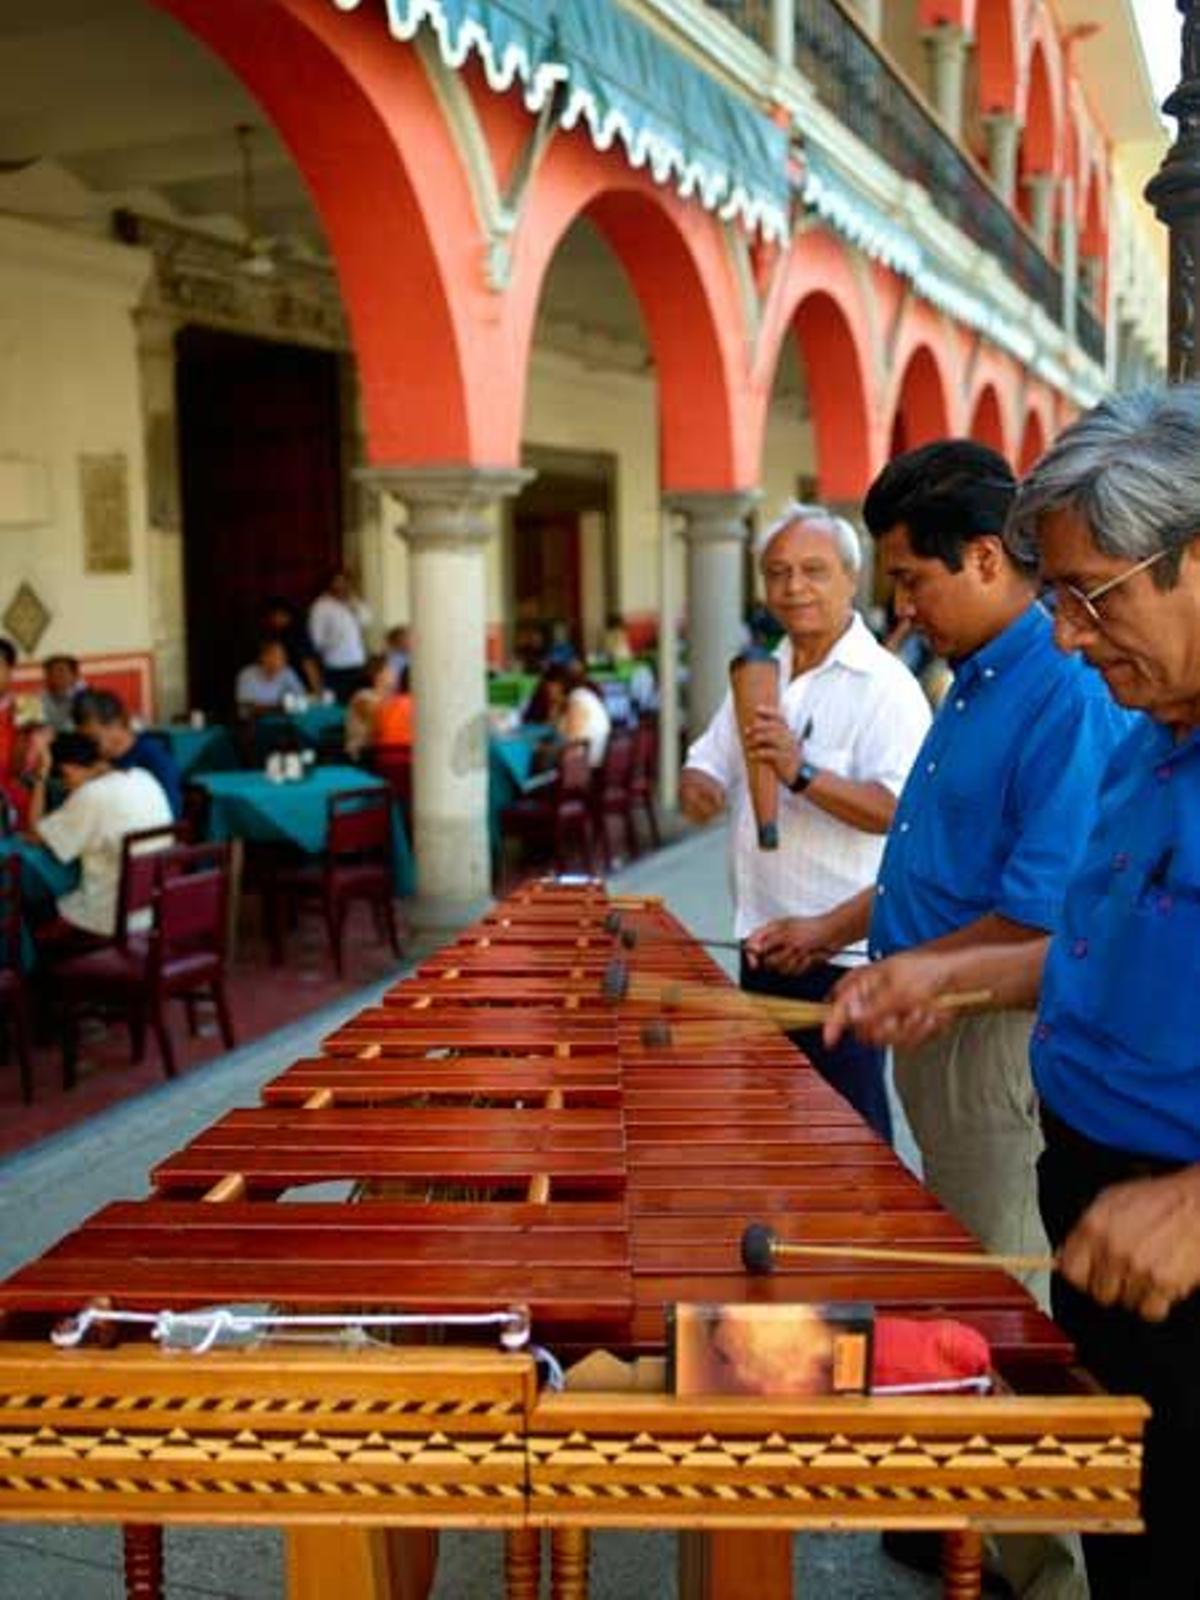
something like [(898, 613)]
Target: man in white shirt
[(335, 626), (267, 681), (850, 721), (101, 807)]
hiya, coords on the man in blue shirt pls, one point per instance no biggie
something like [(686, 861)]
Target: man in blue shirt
[(1113, 513), (103, 718)]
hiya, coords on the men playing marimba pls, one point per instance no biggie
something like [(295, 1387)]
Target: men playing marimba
[(1112, 513)]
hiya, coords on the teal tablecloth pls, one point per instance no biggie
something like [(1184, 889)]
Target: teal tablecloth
[(198, 750), (247, 805), (510, 762), (44, 880)]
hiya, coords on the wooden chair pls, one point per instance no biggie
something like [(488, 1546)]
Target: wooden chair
[(182, 958), (611, 795), (14, 994), (556, 818), (644, 776), (393, 763), (140, 873), (356, 865)]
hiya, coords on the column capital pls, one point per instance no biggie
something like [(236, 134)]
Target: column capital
[(447, 505), (713, 516), (947, 39)]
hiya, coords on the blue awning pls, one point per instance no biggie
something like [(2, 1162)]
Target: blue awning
[(626, 86)]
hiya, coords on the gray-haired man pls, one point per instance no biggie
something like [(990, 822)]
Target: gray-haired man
[(850, 720)]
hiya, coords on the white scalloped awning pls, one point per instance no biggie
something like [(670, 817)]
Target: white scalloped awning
[(623, 84)]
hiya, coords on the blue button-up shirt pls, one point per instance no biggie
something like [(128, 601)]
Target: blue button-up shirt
[(1116, 1048), (1002, 794)]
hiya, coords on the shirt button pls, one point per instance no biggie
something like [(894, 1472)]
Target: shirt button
[(1042, 1031), (1163, 774), (960, 705), (1079, 949), (905, 826), (881, 888), (989, 672), (1120, 861), (931, 766)]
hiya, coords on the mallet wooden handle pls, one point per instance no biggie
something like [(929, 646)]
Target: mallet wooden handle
[(920, 1258)]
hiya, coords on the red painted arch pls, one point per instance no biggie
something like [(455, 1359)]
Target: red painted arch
[(1040, 136), (819, 299), (678, 267), (921, 412), (392, 198), (999, 54), (1034, 439), (987, 421)]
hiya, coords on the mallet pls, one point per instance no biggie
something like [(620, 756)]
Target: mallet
[(630, 938), (762, 1248)]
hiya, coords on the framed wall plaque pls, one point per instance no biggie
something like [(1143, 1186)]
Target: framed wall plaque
[(104, 496)]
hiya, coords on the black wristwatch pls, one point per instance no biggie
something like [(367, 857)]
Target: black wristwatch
[(803, 778)]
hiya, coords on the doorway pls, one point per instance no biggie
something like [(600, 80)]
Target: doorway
[(260, 476), (562, 551)]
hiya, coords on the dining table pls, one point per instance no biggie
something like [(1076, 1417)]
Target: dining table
[(44, 881)]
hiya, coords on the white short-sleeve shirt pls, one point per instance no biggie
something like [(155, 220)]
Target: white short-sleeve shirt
[(89, 827), (868, 718), (336, 630)]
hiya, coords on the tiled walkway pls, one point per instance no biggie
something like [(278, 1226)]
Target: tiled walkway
[(51, 1187)]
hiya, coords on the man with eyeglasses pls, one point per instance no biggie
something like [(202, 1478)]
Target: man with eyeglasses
[(841, 741), (985, 836), (1112, 513)]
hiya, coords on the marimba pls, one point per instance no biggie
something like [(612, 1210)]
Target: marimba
[(509, 1139)]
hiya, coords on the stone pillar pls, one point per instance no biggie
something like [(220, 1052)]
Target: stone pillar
[(783, 32), (1069, 255), (946, 52), (449, 524), (715, 531), (1043, 189), (156, 331), (1001, 131), (1091, 276)]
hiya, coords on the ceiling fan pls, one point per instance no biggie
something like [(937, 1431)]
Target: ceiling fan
[(259, 251)]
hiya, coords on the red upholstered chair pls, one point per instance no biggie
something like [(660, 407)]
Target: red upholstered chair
[(356, 865), (181, 958), (611, 795), (14, 996), (644, 775), (140, 866), (557, 817), (393, 763)]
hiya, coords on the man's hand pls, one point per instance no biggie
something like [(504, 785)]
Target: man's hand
[(1138, 1245), (790, 945), (701, 798), (768, 738), (891, 1002)]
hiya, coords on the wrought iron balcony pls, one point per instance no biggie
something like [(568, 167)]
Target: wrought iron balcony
[(863, 89)]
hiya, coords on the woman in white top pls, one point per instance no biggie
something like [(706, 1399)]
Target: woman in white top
[(577, 709)]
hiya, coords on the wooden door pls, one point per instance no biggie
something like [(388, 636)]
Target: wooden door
[(261, 482)]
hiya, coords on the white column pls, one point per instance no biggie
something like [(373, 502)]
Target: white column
[(1069, 252), (156, 331), (1042, 187), (715, 531), (1001, 131), (946, 51), (668, 667), (450, 520), (783, 32)]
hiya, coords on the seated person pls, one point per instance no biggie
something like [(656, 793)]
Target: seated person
[(23, 748), (616, 640), (63, 688), (263, 685), (101, 716), (398, 652), (279, 621), (380, 712), (576, 708), (101, 807)]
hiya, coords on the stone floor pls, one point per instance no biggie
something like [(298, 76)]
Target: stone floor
[(51, 1187)]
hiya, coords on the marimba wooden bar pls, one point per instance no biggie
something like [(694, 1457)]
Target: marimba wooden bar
[(505, 1136)]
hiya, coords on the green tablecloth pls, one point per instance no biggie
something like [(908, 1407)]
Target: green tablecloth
[(197, 750), (44, 880), (510, 761), (248, 805), (511, 688)]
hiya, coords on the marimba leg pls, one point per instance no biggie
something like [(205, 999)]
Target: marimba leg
[(360, 1563), (569, 1551), (143, 1543), (962, 1565), (735, 1566), (522, 1563)]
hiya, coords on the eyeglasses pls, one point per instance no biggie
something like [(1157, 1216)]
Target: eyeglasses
[(1080, 608)]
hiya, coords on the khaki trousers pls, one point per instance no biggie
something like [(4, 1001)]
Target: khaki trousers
[(969, 1099)]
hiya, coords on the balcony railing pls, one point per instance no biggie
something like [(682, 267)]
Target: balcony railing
[(866, 92), (1089, 329)]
